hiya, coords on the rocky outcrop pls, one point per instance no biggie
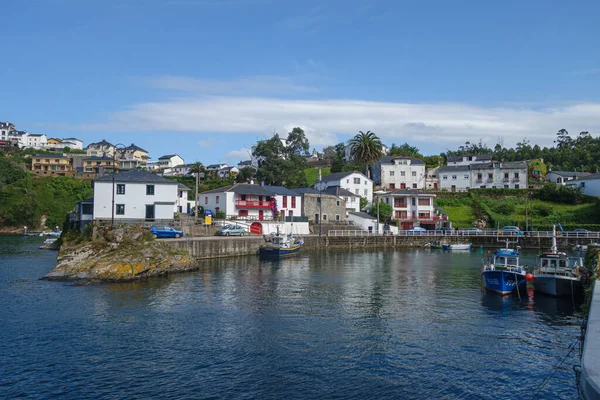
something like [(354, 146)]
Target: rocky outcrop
[(114, 256)]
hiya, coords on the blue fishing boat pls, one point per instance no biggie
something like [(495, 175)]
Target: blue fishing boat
[(280, 245), (503, 274)]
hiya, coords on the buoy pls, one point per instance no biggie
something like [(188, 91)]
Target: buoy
[(529, 277)]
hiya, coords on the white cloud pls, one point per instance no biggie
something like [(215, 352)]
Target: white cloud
[(206, 142), (256, 85), (436, 124), (238, 155)]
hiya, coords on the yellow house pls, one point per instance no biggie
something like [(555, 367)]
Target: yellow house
[(48, 165), (53, 141), (132, 157), (95, 166)]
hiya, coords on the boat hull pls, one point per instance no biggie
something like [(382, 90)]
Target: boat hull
[(456, 246), (503, 282), (268, 251), (558, 286)]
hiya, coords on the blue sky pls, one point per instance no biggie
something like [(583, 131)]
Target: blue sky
[(207, 78)]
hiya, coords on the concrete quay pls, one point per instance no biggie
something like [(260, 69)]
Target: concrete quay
[(589, 380)]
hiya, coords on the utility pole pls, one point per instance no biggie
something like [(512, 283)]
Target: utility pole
[(196, 197), (377, 199), (320, 205)]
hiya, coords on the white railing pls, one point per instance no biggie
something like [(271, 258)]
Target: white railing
[(459, 233)]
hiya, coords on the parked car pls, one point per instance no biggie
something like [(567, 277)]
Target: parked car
[(165, 232), (231, 230), (509, 231), (472, 231), (444, 231), (417, 230)]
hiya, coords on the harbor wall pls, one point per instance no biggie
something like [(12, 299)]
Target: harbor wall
[(218, 247), (589, 381)]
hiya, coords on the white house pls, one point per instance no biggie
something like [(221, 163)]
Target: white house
[(138, 195), (399, 172), (73, 143), (507, 175), (182, 205), (228, 172), (355, 182), (170, 161), (562, 177), (590, 185), (36, 141), (100, 149), (413, 208), (469, 159), (364, 221), (253, 202), (454, 178)]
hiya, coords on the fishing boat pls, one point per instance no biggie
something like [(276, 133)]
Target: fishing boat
[(503, 274), (280, 245), (558, 275), (434, 245), (48, 244), (457, 246)]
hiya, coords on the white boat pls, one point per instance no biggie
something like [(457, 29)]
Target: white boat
[(48, 244), (584, 247), (457, 246), (556, 274), (280, 245)]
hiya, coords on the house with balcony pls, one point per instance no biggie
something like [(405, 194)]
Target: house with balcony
[(398, 172), (51, 165), (414, 208), (454, 178), (252, 202), (355, 182), (228, 173), (98, 166), (562, 177), (138, 196), (507, 175), (100, 149), (469, 159), (132, 157)]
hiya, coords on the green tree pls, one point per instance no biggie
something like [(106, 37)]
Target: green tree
[(245, 175), (363, 202), (196, 169), (366, 149), (385, 211), (405, 150)]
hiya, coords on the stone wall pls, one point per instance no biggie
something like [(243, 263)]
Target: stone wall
[(332, 206)]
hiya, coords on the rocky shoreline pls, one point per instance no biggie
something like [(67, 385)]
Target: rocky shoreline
[(121, 255)]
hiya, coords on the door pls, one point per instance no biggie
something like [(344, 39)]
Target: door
[(453, 188), (435, 186), (260, 215), (149, 211), (392, 186)]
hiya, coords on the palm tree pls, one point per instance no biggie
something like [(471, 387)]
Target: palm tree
[(366, 148), (196, 169)]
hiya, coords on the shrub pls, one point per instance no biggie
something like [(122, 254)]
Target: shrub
[(220, 215)]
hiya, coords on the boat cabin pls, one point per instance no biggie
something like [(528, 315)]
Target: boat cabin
[(556, 263), (506, 258)]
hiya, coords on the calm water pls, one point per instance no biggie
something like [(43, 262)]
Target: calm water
[(381, 324)]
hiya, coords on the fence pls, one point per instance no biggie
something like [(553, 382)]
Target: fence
[(140, 222), (541, 234)]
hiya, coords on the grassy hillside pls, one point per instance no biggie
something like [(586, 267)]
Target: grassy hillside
[(464, 208), (312, 174)]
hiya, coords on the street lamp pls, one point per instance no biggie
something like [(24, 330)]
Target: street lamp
[(320, 211), (112, 218)]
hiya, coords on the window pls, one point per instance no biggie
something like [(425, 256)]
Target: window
[(87, 209), (316, 217), (217, 200), (454, 177), (318, 200), (444, 177), (345, 199), (414, 185), (337, 217), (205, 199), (506, 175), (466, 176), (517, 175), (180, 193), (347, 180), (516, 186), (414, 201), (391, 173), (120, 209), (505, 186), (392, 186), (284, 204), (150, 190), (356, 192), (479, 176), (120, 188), (324, 217), (414, 173), (424, 202), (490, 176), (366, 191), (356, 181), (482, 187), (402, 173), (293, 201), (337, 203)]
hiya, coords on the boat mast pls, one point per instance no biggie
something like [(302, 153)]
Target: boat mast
[(554, 248)]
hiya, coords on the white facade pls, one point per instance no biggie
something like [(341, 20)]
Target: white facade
[(228, 172), (181, 204), (590, 185), (74, 143), (36, 141), (399, 173), (507, 175), (432, 178), (412, 208), (170, 161), (182, 170), (364, 221), (454, 178), (134, 200), (355, 182), (562, 177)]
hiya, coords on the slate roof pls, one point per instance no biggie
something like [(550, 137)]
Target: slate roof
[(588, 177), (181, 186), (482, 157), (101, 143), (339, 191), (280, 190), (339, 175), (254, 190), (570, 173), (104, 158), (504, 165), (134, 148), (72, 138), (362, 215), (136, 175), (388, 160), (50, 156), (214, 166), (36, 134), (168, 156), (302, 191), (453, 168)]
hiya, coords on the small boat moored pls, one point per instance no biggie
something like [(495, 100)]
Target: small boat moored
[(503, 274), (457, 246), (280, 245)]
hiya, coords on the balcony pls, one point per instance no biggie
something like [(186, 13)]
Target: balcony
[(516, 179), (254, 204), (479, 180), (490, 180), (506, 180)]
